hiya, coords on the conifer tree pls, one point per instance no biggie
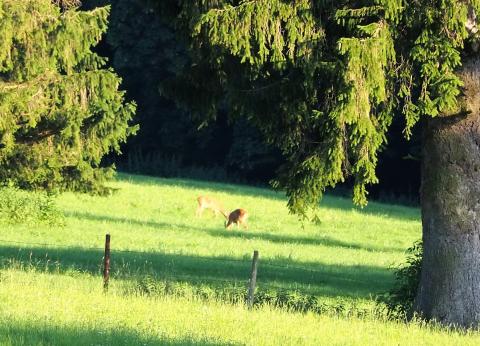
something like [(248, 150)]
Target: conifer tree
[(323, 80), (60, 108)]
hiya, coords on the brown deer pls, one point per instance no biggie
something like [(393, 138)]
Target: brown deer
[(238, 216), (205, 202)]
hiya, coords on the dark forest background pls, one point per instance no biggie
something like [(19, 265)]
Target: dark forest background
[(173, 142)]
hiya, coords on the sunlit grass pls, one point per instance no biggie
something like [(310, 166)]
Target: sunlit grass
[(64, 310), (51, 287)]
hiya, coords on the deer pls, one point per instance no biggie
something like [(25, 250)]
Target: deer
[(238, 217), (205, 202)]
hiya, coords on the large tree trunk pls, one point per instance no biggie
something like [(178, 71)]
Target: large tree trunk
[(449, 290)]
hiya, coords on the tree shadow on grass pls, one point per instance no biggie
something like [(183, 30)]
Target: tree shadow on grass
[(33, 334), (329, 201), (249, 235), (279, 238), (309, 277), (209, 186), (119, 219)]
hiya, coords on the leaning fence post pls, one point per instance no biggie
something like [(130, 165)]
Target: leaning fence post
[(253, 279), (106, 262)]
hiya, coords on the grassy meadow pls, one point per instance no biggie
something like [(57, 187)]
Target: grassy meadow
[(51, 290)]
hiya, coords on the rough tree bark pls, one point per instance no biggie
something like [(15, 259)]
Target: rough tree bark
[(449, 290)]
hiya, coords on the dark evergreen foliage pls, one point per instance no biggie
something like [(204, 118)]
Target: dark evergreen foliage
[(323, 79), (60, 109), (174, 141), (148, 53)]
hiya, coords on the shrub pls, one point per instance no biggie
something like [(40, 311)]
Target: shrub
[(23, 207), (399, 300)]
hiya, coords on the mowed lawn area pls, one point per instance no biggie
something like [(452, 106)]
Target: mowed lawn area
[(51, 289)]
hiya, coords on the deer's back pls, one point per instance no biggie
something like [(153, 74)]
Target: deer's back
[(207, 201), (238, 215)]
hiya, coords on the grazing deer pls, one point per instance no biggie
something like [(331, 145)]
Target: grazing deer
[(205, 202), (238, 216)]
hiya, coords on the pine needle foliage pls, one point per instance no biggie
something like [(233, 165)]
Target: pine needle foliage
[(275, 38), (324, 79), (60, 108)]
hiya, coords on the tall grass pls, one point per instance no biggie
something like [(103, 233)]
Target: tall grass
[(51, 287)]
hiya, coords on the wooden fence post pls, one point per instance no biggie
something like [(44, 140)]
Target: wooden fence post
[(253, 279), (106, 262)]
